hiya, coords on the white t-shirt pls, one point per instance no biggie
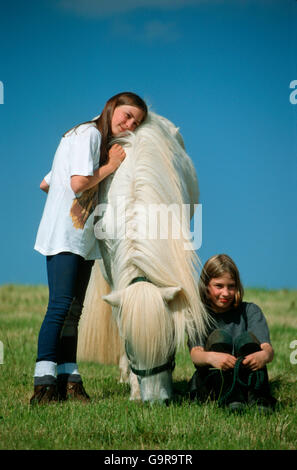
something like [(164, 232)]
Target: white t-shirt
[(62, 226)]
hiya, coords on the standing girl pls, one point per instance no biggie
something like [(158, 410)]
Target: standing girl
[(231, 361), (66, 237)]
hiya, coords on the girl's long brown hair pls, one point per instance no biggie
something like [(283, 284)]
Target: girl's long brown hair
[(217, 266), (103, 122)]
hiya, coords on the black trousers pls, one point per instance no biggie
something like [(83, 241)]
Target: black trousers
[(234, 385)]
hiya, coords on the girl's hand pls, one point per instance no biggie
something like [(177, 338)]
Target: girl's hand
[(259, 359), (222, 361), (80, 183), (116, 156), (255, 361)]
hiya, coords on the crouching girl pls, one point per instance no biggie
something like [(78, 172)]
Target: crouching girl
[(231, 361)]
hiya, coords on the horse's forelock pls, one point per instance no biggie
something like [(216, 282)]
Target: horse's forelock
[(152, 332)]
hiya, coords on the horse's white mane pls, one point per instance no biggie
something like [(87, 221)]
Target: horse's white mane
[(156, 170)]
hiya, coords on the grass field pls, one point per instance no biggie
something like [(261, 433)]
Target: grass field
[(110, 421)]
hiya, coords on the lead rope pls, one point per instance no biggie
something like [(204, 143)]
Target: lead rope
[(222, 399), (257, 376)]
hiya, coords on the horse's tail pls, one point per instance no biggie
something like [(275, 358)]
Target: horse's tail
[(146, 324), (98, 338)]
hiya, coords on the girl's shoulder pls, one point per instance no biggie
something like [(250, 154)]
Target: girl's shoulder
[(86, 129), (250, 310), (250, 307)]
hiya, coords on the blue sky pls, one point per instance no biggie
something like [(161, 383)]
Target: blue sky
[(220, 70)]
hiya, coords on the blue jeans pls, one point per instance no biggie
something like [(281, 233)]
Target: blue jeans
[(68, 277)]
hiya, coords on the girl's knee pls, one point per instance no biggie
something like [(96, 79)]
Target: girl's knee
[(246, 343), (219, 341), (74, 312)]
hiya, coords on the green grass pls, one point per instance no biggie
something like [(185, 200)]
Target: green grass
[(111, 421)]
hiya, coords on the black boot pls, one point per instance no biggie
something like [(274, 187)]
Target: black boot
[(231, 394), (201, 385), (259, 391), (255, 382), (206, 382), (69, 389), (62, 380)]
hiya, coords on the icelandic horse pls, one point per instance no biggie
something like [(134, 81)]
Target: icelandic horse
[(147, 276)]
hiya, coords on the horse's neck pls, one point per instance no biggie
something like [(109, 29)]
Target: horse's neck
[(125, 271), (154, 176), (115, 192)]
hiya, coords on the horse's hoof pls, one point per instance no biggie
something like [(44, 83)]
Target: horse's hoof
[(135, 398)]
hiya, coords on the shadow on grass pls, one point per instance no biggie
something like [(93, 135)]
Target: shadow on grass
[(281, 389), (181, 392)]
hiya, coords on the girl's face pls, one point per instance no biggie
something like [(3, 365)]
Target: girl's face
[(221, 292), (126, 118)]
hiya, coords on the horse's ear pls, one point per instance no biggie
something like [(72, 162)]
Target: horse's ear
[(114, 298), (168, 293)]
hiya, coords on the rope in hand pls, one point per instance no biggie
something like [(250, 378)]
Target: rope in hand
[(256, 376)]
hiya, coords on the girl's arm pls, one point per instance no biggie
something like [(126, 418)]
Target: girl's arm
[(45, 183), (81, 183), (223, 361)]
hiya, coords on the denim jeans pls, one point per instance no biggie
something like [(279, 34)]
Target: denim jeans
[(68, 277)]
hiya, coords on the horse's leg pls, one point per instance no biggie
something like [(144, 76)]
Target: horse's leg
[(127, 376), (134, 387), (124, 369)]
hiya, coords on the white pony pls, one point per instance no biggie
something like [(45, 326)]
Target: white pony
[(149, 265)]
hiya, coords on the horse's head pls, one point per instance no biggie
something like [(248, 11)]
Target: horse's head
[(147, 327)]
